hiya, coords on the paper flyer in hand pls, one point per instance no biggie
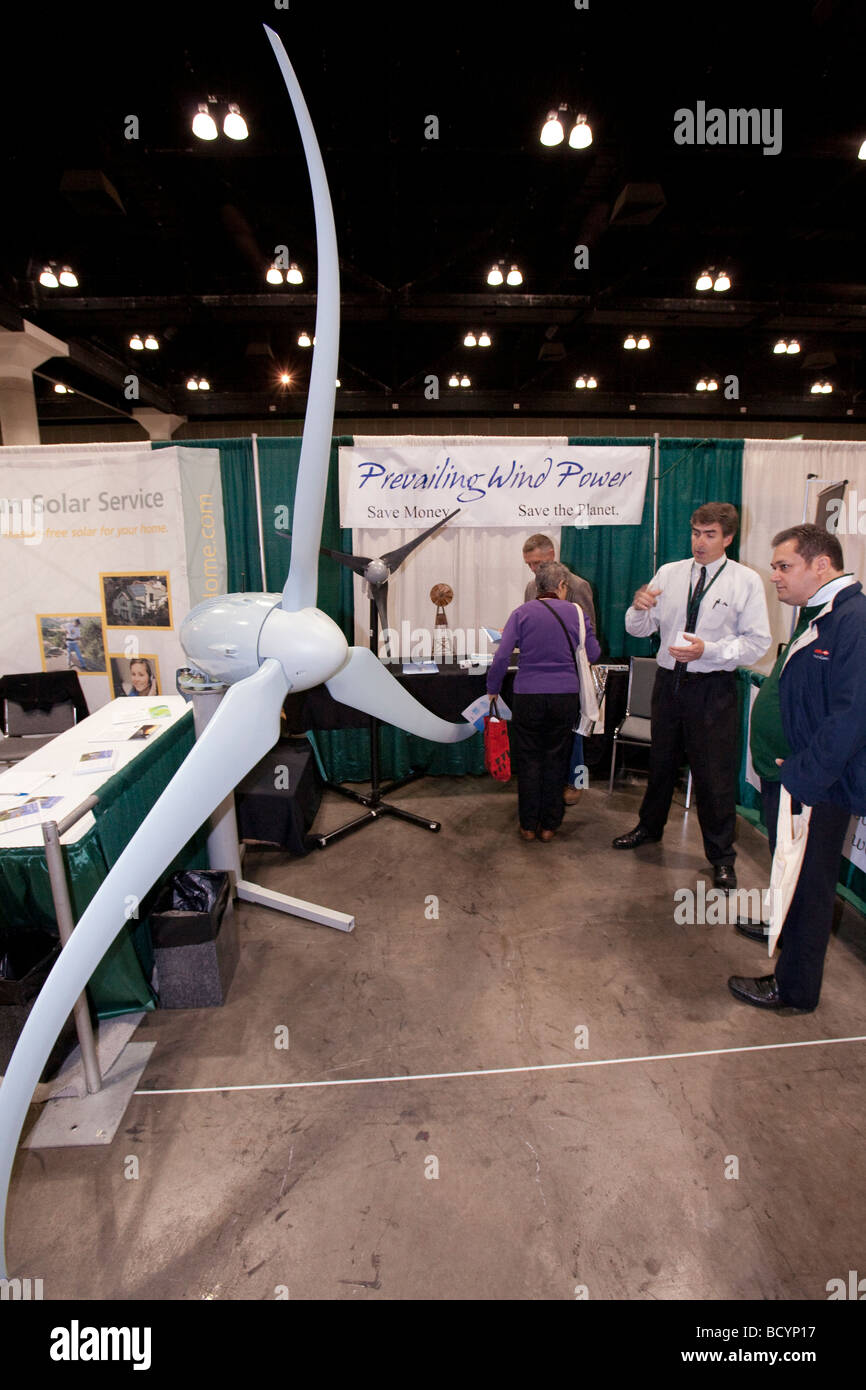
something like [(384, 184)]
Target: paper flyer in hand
[(479, 708)]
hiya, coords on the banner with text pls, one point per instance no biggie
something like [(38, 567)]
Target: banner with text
[(102, 554), (507, 482)]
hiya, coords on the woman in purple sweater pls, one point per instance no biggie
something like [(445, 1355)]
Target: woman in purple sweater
[(546, 700)]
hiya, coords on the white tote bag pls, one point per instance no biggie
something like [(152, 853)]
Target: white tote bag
[(590, 710), (792, 835)]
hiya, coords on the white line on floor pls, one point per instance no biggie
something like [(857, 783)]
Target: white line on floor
[(495, 1071)]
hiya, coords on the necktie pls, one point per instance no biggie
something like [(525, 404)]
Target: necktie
[(691, 619)]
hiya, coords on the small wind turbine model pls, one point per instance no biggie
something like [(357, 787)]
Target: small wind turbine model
[(262, 646)]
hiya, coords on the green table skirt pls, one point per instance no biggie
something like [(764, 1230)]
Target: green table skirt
[(120, 982)]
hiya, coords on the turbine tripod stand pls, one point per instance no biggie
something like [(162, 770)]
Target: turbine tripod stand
[(376, 806)]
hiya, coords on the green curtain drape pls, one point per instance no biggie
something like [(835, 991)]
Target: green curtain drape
[(615, 560), (691, 472), (278, 471), (239, 508)]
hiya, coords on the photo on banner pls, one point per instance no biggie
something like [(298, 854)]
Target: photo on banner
[(72, 642), (136, 675)]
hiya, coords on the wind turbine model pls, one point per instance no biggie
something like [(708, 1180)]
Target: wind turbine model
[(262, 646), (377, 573)]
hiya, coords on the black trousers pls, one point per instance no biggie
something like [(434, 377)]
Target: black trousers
[(542, 733), (806, 931), (696, 720)]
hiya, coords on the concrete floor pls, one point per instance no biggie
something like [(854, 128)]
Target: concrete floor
[(611, 1177)]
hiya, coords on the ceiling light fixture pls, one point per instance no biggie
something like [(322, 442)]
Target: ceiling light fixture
[(793, 346), (580, 383), (591, 383), (704, 281), (293, 275), (484, 338), (643, 341), (552, 132), (712, 385), (151, 343), (304, 339), (203, 384), (470, 340), (203, 123), (781, 346), (48, 278), (274, 275), (821, 388), (453, 379), (861, 153), (581, 134), (630, 342), (234, 125), (514, 276), (494, 275), (722, 282), (68, 278), (136, 344), (191, 384), (702, 385), (285, 379), (464, 380)]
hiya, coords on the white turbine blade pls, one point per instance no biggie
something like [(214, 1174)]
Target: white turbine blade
[(245, 727), (364, 684), (301, 586)]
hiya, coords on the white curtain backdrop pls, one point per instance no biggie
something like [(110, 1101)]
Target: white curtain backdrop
[(484, 567), (774, 489)]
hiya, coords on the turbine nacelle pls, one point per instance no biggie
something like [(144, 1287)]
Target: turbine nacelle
[(229, 637)]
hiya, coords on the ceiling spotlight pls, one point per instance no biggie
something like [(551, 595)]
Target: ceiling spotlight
[(704, 281), (712, 385), (494, 275), (192, 384), (484, 338), (203, 123), (630, 342), (285, 379), (68, 278), (817, 388), (780, 346), (274, 275), (552, 132), (48, 278), (827, 388), (151, 343), (702, 385), (136, 344), (234, 125), (861, 153), (470, 340), (453, 380), (722, 282), (338, 382), (464, 380), (643, 341), (581, 134), (514, 276), (61, 389), (203, 384), (293, 275), (304, 339), (591, 383), (793, 346), (581, 383)]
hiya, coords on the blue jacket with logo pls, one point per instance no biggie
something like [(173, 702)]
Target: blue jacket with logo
[(822, 695)]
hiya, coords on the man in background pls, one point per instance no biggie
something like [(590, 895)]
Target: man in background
[(538, 551), (809, 735), (711, 617)]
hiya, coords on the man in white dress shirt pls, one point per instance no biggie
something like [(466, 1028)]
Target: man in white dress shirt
[(711, 617)]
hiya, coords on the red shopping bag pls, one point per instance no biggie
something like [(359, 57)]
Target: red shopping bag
[(497, 753)]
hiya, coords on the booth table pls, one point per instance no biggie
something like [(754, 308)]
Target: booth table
[(144, 768)]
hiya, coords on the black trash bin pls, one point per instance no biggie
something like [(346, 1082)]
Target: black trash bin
[(195, 940), (26, 960)]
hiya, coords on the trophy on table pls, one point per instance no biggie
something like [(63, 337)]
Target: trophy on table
[(443, 645)]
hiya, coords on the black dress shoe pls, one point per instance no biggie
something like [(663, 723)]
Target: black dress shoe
[(724, 877), (753, 931), (635, 837), (762, 992)]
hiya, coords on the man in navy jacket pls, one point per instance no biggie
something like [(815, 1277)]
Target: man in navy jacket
[(813, 718)]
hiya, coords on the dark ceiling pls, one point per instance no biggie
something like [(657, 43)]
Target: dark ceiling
[(173, 236)]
